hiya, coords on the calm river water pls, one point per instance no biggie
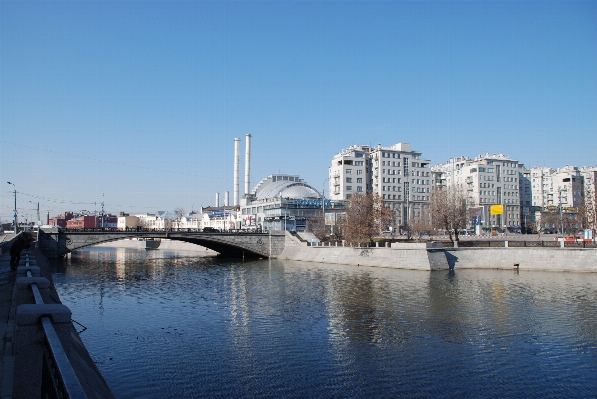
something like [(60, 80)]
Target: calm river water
[(171, 325)]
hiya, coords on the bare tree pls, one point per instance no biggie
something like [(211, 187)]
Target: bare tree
[(366, 217), (587, 213), (420, 226), (317, 227), (449, 210), (178, 213)]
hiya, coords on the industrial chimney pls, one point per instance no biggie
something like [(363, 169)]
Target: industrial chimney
[(226, 198), (248, 164), (217, 200), (236, 170)]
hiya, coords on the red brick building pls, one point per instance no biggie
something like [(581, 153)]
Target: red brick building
[(61, 220), (83, 222)]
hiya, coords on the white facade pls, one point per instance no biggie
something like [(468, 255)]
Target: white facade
[(541, 185), (402, 179), (349, 173), (127, 222), (566, 188), (281, 202), (488, 180), (220, 218), (397, 174), (193, 220)]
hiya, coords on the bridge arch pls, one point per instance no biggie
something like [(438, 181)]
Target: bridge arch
[(236, 245)]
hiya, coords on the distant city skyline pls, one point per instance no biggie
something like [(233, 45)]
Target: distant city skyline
[(137, 104)]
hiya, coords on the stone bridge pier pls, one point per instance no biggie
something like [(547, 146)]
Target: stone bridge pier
[(56, 243)]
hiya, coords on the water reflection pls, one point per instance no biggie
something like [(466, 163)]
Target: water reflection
[(202, 327)]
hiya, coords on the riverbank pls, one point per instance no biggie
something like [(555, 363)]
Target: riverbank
[(90, 378), (433, 256)]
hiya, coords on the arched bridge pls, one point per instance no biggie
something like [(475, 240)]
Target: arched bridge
[(56, 243)]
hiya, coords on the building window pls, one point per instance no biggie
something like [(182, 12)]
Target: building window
[(348, 188), (359, 171), (349, 171), (349, 180), (360, 189), (359, 179)]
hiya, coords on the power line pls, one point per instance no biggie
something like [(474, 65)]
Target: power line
[(109, 162)]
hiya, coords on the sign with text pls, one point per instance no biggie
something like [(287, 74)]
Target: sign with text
[(330, 219), (496, 210), (313, 202)]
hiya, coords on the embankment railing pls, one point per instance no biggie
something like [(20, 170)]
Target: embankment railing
[(56, 377)]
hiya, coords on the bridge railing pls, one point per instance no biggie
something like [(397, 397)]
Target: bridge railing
[(42, 339), (153, 230)]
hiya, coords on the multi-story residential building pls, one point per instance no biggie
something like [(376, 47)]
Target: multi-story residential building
[(350, 173), (488, 180), (541, 185), (402, 178), (566, 189), (397, 174), (525, 189)]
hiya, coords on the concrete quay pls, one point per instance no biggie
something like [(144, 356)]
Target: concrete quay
[(22, 334), (433, 256)]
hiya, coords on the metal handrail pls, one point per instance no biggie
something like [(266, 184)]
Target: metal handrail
[(58, 376)]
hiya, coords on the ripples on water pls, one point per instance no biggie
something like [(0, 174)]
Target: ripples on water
[(170, 325)]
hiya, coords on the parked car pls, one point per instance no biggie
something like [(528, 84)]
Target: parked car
[(210, 230)]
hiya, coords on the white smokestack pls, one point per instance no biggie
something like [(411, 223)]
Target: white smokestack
[(217, 199), (248, 165), (236, 170), (226, 198)]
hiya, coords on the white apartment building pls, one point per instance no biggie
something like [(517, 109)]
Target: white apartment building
[(397, 174), (566, 188), (349, 173), (488, 180), (541, 185)]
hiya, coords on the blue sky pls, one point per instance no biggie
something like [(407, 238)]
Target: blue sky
[(137, 103)]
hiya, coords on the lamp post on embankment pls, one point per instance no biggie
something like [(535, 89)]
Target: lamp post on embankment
[(16, 228)]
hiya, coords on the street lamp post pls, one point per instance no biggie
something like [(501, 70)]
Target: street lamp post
[(16, 229), (561, 221)]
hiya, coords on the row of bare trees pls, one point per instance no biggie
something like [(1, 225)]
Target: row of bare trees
[(367, 217), (449, 211)]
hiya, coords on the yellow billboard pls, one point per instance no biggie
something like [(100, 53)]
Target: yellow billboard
[(496, 209)]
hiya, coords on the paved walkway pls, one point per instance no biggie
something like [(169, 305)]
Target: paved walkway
[(7, 279)]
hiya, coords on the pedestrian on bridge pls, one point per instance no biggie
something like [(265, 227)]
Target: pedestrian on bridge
[(23, 241)]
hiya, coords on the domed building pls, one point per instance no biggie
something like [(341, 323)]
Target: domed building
[(282, 202)]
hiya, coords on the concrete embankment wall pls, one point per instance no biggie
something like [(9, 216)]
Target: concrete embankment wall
[(552, 259), (434, 257), (401, 256), (90, 378)]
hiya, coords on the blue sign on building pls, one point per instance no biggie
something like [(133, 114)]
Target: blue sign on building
[(313, 202)]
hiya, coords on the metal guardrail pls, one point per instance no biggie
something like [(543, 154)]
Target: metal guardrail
[(58, 376), (168, 230)]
